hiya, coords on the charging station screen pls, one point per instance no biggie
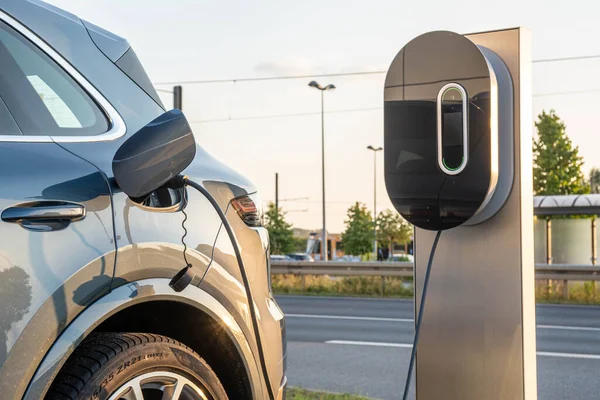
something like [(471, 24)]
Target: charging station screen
[(452, 128)]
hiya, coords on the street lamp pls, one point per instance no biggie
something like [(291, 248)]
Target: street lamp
[(375, 150), (315, 85)]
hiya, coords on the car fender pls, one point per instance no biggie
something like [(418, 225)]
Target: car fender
[(126, 296)]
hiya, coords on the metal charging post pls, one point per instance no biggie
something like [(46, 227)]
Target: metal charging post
[(478, 333)]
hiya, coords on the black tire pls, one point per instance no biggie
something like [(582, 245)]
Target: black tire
[(105, 362)]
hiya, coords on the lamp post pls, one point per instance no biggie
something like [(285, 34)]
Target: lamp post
[(375, 150), (315, 85)]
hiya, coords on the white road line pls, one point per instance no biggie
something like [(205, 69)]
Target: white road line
[(408, 346), (350, 318), (410, 320), (358, 299), (569, 328), (376, 344), (569, 355)]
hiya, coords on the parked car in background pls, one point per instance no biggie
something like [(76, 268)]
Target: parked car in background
[(278, 257), (401, 258), (301, 257), (348, 258), (86, 310)]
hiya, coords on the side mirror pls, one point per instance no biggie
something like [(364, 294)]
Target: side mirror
[(154, 155)]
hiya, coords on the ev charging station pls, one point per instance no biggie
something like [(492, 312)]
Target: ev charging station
[(458, 159)]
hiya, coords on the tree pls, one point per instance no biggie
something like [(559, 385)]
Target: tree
[(392, 228), (557, 163), (357, 239), (281, 235), (595, 180), (300, 244)]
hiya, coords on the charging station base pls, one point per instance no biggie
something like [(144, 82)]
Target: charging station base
[(478, 333)]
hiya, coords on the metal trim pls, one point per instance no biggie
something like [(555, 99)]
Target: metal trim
[(117, 125), (465, 127), (23, 138), (55, 209), (505, 181)]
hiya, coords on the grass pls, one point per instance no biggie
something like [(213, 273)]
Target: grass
[(578, 292), (303, 394), (371, 286), (342, 286)]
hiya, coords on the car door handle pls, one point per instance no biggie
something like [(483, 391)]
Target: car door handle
[(44, 215)]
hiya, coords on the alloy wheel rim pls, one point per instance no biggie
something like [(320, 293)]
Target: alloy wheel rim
[(160, 385)]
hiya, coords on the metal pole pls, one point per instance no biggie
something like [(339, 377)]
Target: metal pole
[(594, 242), (594, 251), (178, 97), (276, 191), (548, 241), (375, 204), (548, 252), (324, 234)]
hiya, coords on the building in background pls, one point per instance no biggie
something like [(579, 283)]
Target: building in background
[(334, 245)]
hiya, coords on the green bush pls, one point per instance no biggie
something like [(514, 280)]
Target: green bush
[(342, 286), (582, 292), (546, 291)]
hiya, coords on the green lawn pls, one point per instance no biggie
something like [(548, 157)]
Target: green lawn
[(303, 394)]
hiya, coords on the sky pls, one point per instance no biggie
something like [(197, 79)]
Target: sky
[(241, 123)]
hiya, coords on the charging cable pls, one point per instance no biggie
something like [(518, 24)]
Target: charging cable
[(184, 277), (413, 353)]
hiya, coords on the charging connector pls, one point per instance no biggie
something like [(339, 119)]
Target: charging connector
[(183, 278), (413, 353)]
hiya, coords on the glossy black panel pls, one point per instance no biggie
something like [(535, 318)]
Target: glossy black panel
[(425, 195), (154, 155)]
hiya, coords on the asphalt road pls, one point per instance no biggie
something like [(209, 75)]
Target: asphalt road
[(363, 345)]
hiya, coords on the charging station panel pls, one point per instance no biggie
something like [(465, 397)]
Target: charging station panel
[(477, 336), (441, 130)]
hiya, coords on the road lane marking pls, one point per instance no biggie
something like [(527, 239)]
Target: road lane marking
[(409, 346), (410, 320), (350, 318), (376, 344), (345, 298), (569, 328), (569, 355)]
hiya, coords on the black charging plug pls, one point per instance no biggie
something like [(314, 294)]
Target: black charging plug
[(182, 279)]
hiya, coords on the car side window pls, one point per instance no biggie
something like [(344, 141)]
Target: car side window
[(8, 126), (42, 98)]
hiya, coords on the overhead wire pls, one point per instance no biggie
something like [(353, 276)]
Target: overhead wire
[(339, 74), (272, 116), (345, 74)]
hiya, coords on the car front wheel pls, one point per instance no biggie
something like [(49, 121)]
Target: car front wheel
[(135, 366)]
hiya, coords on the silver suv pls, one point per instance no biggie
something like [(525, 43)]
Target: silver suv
[(86, 306)]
